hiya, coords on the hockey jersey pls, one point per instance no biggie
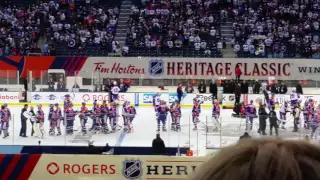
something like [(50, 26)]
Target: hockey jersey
[(175, 110), (40, 115), (84, 113), (196, 109), (156, 100), (294, 98), (216, 110), (162, 111), (284, 108), (250, 110)]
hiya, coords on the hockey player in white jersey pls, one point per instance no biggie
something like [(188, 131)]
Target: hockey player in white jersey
[(283, 114), (156, 102), (115, 90), (199, 99), (294, 99)]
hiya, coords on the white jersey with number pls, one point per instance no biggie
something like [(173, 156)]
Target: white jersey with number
[(294, 97), (284, 108), (157, 100), (115, 90)]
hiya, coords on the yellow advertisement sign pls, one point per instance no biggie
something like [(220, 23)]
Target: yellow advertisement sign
[(75, 167)]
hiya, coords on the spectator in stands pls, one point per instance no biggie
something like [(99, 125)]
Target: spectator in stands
[(283, 88), (261, 159), (189, 87), (202, 88), (256, 87), (299, 88), (214, 89), (244, 87), (107, 85)]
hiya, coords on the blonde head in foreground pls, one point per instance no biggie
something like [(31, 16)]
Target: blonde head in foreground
[(263, 159)]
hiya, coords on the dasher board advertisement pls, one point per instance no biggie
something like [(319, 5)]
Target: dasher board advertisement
[(75, 167), (9, 97), (77, 98)]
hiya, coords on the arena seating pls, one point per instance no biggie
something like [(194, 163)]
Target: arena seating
[(164, 28), (277, 31)]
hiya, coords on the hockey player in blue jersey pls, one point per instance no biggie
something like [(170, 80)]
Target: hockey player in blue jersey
[(55, 121), (5, 117), (84, 114), (67, 101), (175, 111), (70, 114), (162, 116), (272, 101), (216, 114), (132, 114), (309, 113), (96, 112), (196, 110), (113, 116), (103, 118), (250, 111)]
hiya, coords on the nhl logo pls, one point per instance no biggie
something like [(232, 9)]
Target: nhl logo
[(156, 67), (132, 168)]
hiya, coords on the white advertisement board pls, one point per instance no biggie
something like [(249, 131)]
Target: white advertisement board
[(9, 97), (77, 97), (200, 68)]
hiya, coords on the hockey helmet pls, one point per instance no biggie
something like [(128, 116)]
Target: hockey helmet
[(51, 105), (39, 105), (83, 103), (251, 101), (56, 104), (67, 95), (5, 104), (95, 102), (310, 100)]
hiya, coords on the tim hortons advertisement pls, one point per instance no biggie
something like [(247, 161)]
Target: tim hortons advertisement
[(74, 167), (200, 68)]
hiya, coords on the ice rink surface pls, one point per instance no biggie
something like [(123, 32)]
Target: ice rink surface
[(145, 131)]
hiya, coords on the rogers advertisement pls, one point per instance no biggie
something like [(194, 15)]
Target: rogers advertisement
[(74, 167), (77, 98)]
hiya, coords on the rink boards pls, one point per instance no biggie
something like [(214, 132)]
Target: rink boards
[(25, 166), (141, 99)]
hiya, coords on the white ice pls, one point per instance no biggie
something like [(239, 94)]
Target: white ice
[(200, 141)]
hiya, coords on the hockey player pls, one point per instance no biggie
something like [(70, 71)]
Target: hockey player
[(162, 115), (294, 99), (271, 102), (199, 99), (33, 120), (112, 117), (175, 111), (125, 114), (216, 114), (296, 115), (40, 121), (283, 114), (5, 116), (55, 120), (115, 92), (196, 110), (96, 112), (273, 121), (70, 114), (67, 101), (309, 113), (315, 123), (250, 111), (132, 114), (156, 102), (84, 114), (51, 108), (104, 113)]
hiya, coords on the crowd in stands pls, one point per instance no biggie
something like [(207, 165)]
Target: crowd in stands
[(186, 28), (19, 30), (277, 31), (175, 28)]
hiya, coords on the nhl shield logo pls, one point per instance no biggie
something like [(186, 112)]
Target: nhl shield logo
[(132, 168), (156, 67)]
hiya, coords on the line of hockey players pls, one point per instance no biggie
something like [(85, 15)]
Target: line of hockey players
[(310, 113), (162, 111)]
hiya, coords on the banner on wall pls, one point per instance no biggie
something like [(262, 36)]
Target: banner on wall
[(9, 97), (164, 67), (114, 167), (77, 97)]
